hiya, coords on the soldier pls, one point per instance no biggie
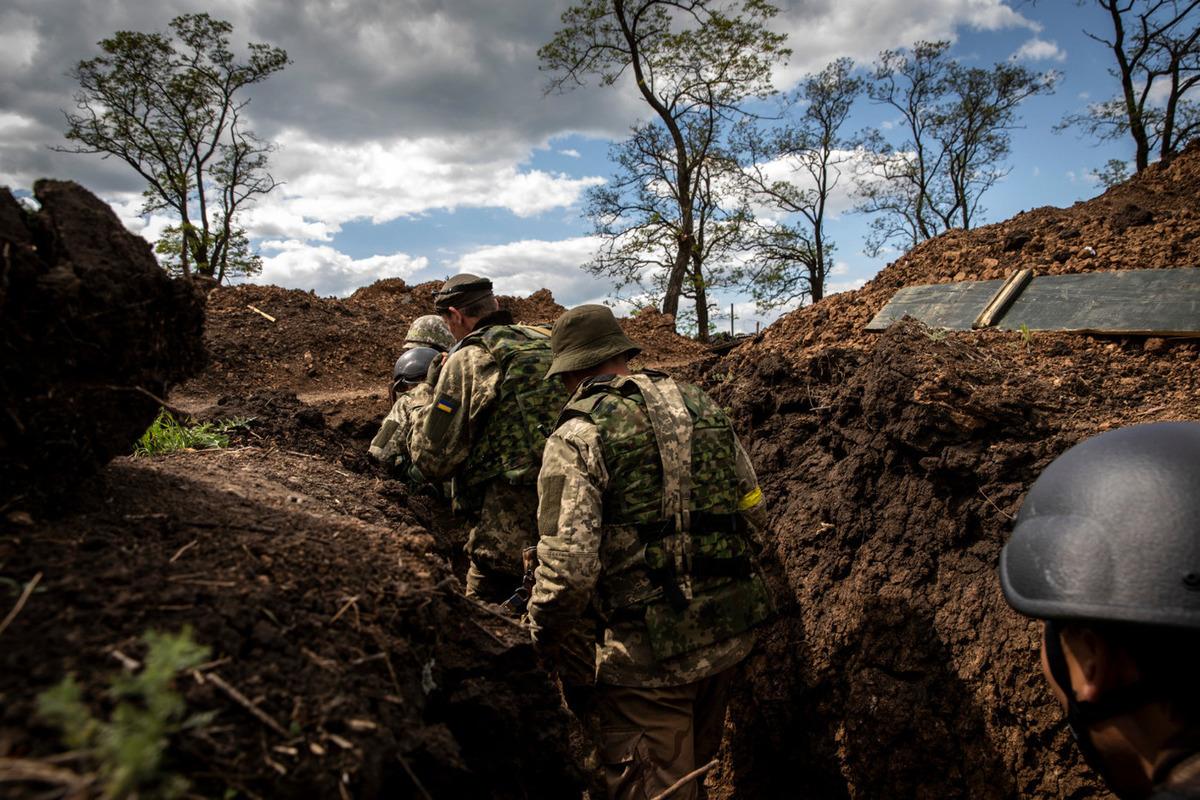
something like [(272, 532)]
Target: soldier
[(1106, 550), (430, 338), (429, 331), (485, 429), (647, 516), (409, 392)]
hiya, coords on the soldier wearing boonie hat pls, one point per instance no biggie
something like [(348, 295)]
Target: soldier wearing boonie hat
[(484, 429), (648, 517)]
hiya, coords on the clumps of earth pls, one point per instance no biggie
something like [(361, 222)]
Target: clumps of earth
[(329, 590)]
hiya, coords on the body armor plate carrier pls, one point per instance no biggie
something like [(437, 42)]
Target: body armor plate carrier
[(690, 576), (515, 431)]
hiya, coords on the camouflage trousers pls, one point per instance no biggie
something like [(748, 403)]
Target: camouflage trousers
[(506, 525), (652, 737)]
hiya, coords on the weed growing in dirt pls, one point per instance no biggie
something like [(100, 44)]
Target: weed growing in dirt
[(128, 748), (166, 435), (1026, 335)]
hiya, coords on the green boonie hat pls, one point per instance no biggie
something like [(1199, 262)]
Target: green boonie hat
[(586, 336), (460, 291), (429, 331)]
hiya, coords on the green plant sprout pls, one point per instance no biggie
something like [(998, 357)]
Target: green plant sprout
[(166, 435), (128, 748)]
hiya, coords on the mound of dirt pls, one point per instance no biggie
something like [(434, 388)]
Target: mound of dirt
[(895, 464), (318, 345), (662, 347), (91, 331), (361, 669), (1149, 222), (539, 308)]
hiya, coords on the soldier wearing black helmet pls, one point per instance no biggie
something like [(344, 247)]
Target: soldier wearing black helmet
[(426, 342), (485, 427), (409, 392), (1106, 550)]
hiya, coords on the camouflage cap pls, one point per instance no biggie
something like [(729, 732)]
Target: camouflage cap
[(461, 290), (429, 331), (586, 336)]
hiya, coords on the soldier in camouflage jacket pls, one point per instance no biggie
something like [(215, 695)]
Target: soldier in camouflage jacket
[(484, 429), (648, 512), (426, 337)]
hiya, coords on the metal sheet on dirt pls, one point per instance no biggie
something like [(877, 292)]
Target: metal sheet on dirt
[(1158, 302)]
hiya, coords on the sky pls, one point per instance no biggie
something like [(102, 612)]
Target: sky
[(415, 138)]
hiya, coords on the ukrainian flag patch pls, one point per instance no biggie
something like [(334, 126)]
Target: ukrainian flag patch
[(438, 422)]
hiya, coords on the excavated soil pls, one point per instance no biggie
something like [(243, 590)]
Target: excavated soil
[(895, 464), (326, 604), (91, 332), (328, 589)]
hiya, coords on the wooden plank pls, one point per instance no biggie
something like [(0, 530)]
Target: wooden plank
[(943, 305), (1004, 298), (1152, 302)]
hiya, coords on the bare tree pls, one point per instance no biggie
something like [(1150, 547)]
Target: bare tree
[(1156, 44), (172, 107), (957, 124), (791, 260), (688, 59)]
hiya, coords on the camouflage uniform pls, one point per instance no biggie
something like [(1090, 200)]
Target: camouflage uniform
[(485, 428), (390, 445), (649, 507)]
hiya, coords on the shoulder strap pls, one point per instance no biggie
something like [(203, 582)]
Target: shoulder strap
[(672, 424)]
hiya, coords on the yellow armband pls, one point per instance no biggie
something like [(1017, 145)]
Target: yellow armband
[(750, 500)]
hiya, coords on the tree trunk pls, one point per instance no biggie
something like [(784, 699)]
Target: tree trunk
[(816, 273), (701, 305)]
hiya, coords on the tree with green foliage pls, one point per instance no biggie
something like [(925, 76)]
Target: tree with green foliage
[(1156, 45), (694, 63), (172, 106), (956, 122), (793, 169), (638, 218)]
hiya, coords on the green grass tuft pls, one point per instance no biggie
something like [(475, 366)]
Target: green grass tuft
[(166, 435), (128, 748)]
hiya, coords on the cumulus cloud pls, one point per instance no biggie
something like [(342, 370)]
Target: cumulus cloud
[(384, 180), (822, 30), (526, 266), (299, 265), (570, 153), (1039, 50)]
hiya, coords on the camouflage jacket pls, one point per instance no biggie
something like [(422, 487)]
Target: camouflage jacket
[(390, 444), (588, 533), (486, 420)]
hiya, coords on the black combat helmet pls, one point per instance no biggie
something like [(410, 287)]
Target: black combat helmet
[(1110, 531), (412, 367)]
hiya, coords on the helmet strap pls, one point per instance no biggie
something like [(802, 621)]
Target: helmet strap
[(1082, 714)]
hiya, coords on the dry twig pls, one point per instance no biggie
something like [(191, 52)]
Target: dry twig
[(351, 602), (131, 664), (413, 776), (183, 550), (993, 505), (261, 313), (21, 601), (241, 700), (20, 770), (685, 780), (179, 413)]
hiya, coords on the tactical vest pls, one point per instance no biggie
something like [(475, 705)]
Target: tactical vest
[(694, 582), (514, 433)]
